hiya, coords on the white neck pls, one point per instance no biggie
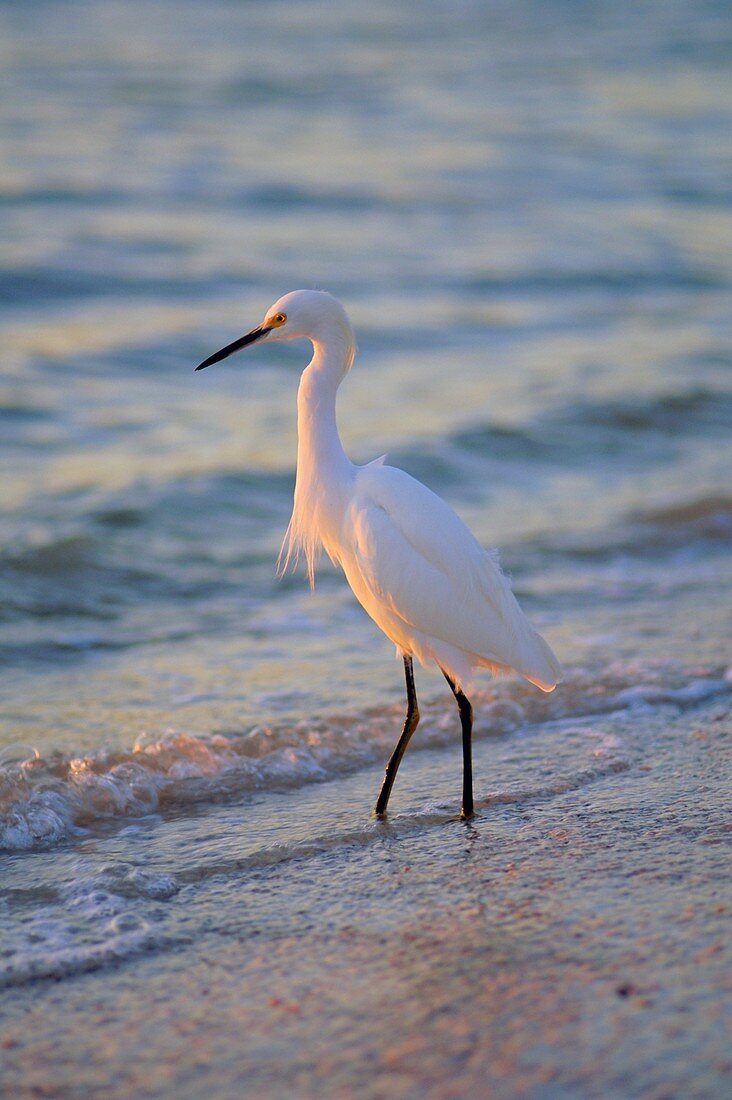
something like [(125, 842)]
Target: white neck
[(320, 454), (324, 472)]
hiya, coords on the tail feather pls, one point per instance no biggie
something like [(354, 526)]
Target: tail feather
[(539, 665)]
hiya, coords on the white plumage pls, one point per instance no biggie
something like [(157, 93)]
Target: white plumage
[(430, 585), (412, 563)]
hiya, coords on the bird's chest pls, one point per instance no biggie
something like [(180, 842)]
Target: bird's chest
[(319, 508)]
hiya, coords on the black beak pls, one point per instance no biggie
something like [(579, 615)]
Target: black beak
[(255, 334)]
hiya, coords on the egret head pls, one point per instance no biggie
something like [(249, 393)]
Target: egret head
[(313, 314)]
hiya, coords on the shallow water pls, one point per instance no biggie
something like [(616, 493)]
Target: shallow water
[(523, 208)]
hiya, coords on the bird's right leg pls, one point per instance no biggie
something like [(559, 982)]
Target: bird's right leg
[(466, 721), (410, 725)]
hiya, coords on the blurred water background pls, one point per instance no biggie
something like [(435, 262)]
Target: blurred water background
[(525, 209)]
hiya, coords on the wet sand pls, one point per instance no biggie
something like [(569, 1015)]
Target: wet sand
[(575, 945)]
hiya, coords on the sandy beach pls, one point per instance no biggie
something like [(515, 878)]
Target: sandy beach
[(570, 944)]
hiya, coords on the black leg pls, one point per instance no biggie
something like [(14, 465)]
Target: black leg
[(410, 725), (466, 721)]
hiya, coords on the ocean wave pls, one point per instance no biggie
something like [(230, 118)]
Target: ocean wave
[(707, 517), (73, 575), (152, 542), (700, 524), (669, 413), (56, 556), (64, 962), (82, 572), (51, 285), (66, 194), (21, 412), (703, 524), (608, 280), (45, 800), (91, 913), (611, 430)]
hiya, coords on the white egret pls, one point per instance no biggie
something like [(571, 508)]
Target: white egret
[(412, 563)]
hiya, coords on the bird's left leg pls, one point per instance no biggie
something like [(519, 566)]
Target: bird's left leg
[(466, 721), (410, 725)]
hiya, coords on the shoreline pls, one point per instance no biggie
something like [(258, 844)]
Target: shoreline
[(572, 945)]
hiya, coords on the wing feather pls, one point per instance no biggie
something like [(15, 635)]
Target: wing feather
[(417, 559)]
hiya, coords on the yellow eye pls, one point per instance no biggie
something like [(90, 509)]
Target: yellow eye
[(278, 319)]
